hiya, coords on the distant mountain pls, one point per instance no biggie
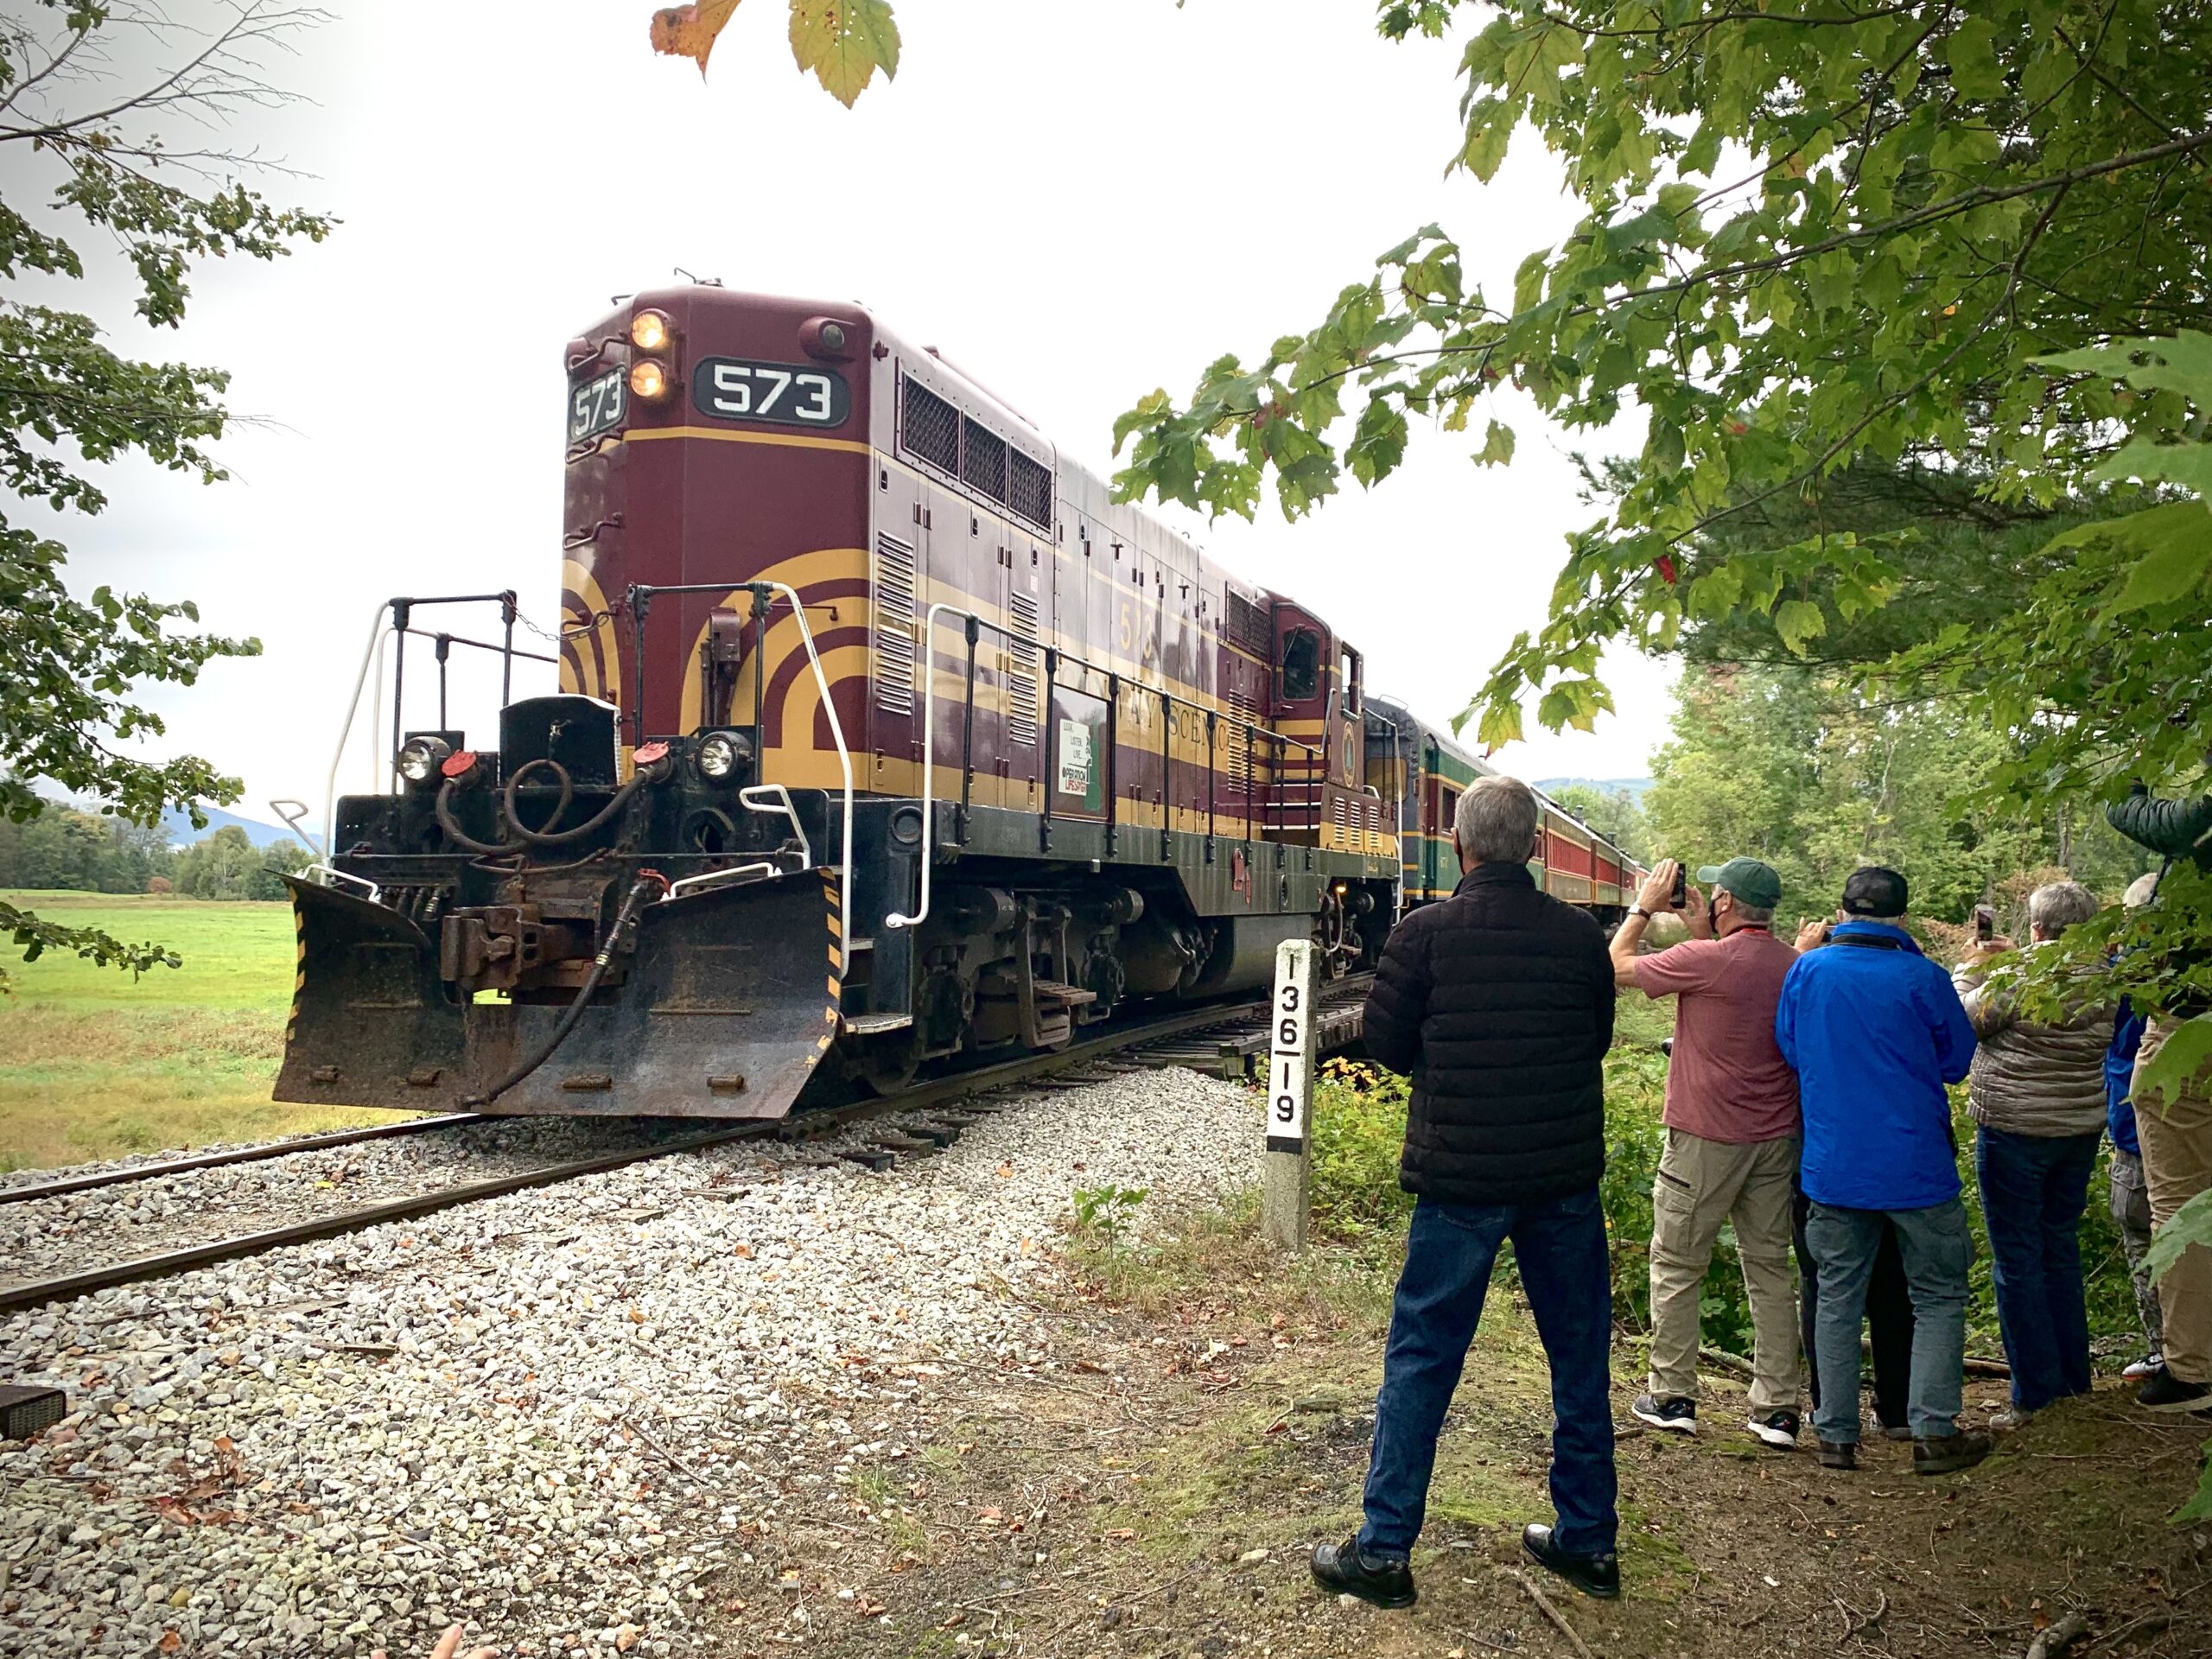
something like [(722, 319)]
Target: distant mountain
[(1632, 787), (261, 834)]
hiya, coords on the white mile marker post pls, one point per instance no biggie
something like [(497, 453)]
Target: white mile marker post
[(1285, 1182)]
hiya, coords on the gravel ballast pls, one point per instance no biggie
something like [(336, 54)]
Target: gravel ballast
[(551, 1414), (42, 1238)]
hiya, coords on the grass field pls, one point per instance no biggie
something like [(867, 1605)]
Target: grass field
[(93, 1064)]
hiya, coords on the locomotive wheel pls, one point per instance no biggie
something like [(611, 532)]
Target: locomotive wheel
[(884, 1064)]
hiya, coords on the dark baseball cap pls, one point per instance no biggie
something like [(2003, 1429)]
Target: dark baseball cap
[(1874, 890), (1755, 883)]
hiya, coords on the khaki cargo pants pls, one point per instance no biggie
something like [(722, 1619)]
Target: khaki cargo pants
[(2176, 1135), (1702, 1183)]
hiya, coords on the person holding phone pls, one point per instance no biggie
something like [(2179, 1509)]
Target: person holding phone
[(1731, 1118)]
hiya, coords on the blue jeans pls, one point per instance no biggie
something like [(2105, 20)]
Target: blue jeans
[(1560, 1249), (2034, 1188), (1938, 1250)]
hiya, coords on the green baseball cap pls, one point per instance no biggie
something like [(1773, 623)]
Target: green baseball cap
[(1755, 883)]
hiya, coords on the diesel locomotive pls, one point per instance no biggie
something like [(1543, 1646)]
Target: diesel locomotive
[(884, 738)]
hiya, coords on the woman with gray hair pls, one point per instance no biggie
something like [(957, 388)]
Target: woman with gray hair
[(2037, 1090)]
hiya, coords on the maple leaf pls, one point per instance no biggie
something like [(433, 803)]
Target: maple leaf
[(690, 31), (844, 42)]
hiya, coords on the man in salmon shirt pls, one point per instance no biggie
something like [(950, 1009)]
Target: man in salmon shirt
[(1732, 1135)]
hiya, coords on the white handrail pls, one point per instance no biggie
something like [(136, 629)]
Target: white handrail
[(929, 756), (782, 806), (345, 733), (688, 882), (844, 760), (331, 875)]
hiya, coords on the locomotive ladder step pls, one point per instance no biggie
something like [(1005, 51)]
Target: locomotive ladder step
[(1067, 995), (864, 1025)]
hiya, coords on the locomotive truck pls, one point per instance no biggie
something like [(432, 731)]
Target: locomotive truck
[(885, 739)]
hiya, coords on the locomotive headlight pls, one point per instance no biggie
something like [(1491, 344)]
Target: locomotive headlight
[(649, 331), (420, 758), (648, 381), (719, 757)]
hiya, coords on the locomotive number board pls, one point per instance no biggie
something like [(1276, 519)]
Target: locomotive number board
[(595, 406), (794, 394)]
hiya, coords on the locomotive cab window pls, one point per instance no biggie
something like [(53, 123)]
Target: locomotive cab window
[(1301, 665), (1348, 676)]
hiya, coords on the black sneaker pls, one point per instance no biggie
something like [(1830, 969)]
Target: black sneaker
[(1674, 1411), (1839, 1455), (2162, 1391), (1593, 1575), (1896, 1431), (1777, 1428), (1346, 1570), (1946, 1454)]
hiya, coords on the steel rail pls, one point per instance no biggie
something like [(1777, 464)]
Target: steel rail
[(809, 1126), (243, 1155)]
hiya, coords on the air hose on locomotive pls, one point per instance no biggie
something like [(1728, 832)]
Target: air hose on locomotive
[(549, 836), (625, 920)]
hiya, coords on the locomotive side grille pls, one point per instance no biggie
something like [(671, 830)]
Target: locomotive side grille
[(1240, 738), (1246, 626), (893, 596), (929, 427), (1021, 672), (982, 459), (1029, 489)]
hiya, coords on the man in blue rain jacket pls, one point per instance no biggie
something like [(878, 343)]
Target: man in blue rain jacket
[(1875, 1032)]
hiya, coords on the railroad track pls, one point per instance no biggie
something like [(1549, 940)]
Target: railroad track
[(1225, 1039)]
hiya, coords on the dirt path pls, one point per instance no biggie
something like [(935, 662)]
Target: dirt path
[(1208, 1423)]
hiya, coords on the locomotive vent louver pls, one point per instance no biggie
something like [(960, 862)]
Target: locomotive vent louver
[(1021, 671), (895, 614), (935, 433)]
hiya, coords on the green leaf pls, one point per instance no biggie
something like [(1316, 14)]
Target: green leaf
[(1489, 129), (2199, 1507), (2191, 1225), (2187, 464), (1799, 622), (1498, 446), (1972, 53), (844, 42), (2169, 1072), (2171, 548)]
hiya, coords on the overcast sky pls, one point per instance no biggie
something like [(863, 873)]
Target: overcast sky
[(1078, 203)]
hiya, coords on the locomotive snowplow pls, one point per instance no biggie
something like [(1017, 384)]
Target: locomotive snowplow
[(714, 1003)]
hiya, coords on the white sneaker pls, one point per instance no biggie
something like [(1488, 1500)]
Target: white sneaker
[(1777, 1428), (1673, 1413), (2144, 1367), (2010, 1418)]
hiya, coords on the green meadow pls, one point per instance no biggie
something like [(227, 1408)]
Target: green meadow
[(94, 1064)]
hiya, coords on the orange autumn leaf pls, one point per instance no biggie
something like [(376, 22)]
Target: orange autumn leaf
[(690, 31)]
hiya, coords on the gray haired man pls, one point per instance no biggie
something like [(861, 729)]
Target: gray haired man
[(1499, 1002)]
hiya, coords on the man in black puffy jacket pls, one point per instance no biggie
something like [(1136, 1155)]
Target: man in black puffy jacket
[(1499, 1003)]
